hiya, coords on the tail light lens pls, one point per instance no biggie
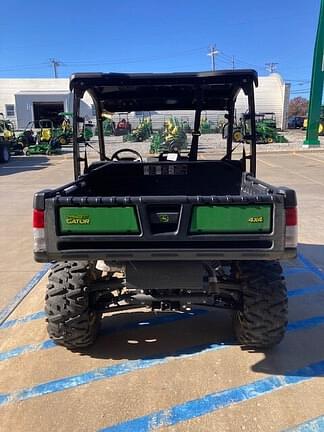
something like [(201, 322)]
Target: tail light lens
[(38, 218), (291, 238), (291, 216), (38, 230)]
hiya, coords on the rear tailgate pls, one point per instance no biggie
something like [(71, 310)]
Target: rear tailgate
[(171, 228)]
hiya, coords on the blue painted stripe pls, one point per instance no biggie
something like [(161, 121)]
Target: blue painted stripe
[(16, 352), (48, 344), (215, 401), (314, 425), (34, 316), (7, 311), (306, 324), (308, 290), (311, 266), (289, 271), (132, 366), (105, 372)]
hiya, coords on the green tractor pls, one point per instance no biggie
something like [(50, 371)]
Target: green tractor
[(267, 118), (29, 136), (108, 125), (86, 130), (142, 132), (8, 138), (266, 131), (207, 126), (266, 128), (185, 125), (64, 132), (171, 139), (46, 142)]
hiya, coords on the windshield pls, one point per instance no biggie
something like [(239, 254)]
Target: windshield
[(160, 99)]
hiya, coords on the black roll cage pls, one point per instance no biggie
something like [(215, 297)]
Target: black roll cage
[(197, 91)]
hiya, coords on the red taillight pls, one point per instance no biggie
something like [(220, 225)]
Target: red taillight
[(291, 216), (38, 218)]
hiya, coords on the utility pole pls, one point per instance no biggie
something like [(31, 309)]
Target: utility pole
[(233, 62), (55, 64), (271, 67), (213, 53)]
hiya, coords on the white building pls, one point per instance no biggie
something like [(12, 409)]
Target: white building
[(29, 99)]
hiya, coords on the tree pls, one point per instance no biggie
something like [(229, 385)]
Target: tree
[(298, 106)]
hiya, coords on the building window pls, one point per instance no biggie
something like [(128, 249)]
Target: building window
[(93, 111), (10, 110)]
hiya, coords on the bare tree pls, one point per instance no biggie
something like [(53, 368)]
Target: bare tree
[(298, 106)]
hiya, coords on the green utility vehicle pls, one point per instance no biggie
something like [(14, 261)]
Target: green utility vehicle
[(171, 232)]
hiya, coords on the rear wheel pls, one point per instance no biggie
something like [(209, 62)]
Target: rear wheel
[(71, 320), (263, 319)]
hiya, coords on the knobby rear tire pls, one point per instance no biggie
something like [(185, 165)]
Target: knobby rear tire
[(263, 320), (70, 320)]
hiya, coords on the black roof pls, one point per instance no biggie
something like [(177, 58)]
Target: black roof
[(165, 91)]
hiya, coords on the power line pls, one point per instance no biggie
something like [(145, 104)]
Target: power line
[(229, 59), (137, 59), (300, 91)]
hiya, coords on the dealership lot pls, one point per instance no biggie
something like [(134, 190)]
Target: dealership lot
[(171, 371)]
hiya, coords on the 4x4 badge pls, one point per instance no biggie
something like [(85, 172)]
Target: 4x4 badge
[(256, 219)]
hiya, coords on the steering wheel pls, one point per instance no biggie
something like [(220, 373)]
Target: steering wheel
[(116, 156)]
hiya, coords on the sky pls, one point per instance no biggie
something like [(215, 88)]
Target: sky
[(159, 36)]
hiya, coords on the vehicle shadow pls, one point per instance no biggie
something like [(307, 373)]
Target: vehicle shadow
[(147, 335), (312, 255), (24, 163), (302, 346)]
